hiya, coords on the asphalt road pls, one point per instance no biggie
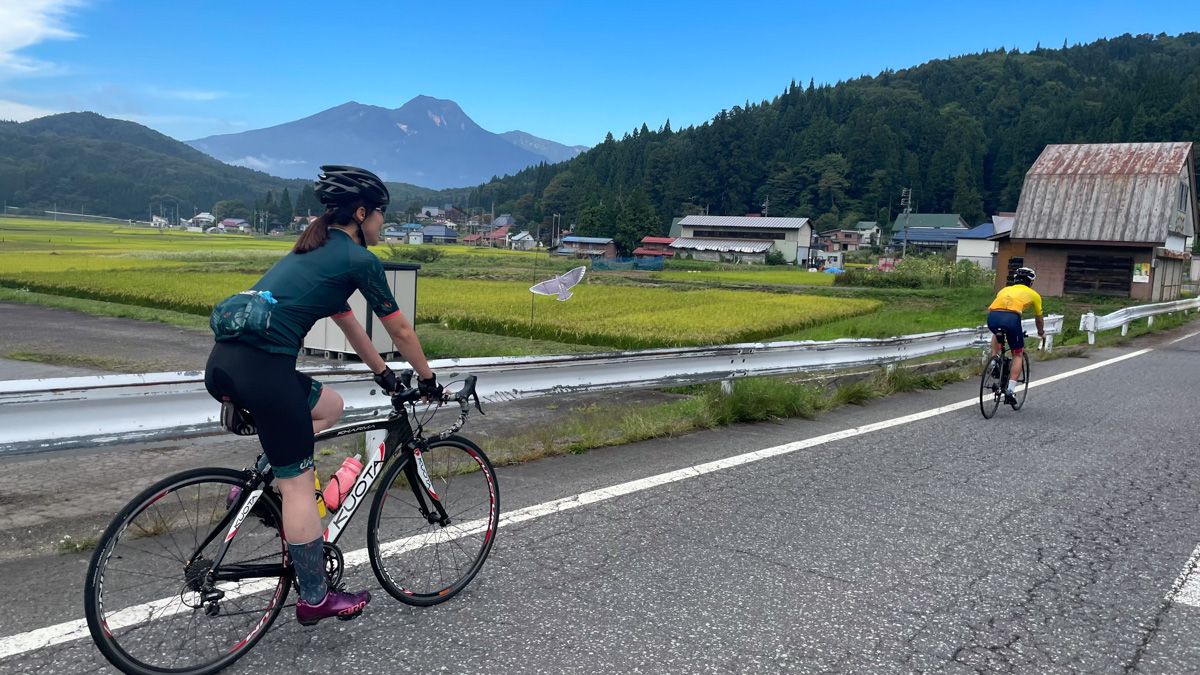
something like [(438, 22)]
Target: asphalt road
[(1050, 540)]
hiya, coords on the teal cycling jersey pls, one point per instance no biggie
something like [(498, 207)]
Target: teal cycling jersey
[(310, 286)]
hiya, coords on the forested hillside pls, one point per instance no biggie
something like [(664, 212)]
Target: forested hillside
[(960, 132), (87, 163)]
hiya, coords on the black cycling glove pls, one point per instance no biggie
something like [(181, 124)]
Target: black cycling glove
[(387, 380), (429, 388)]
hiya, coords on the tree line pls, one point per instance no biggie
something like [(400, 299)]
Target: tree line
[(960, 132)]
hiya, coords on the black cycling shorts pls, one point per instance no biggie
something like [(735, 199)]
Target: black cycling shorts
[(279, 398), (1011, 323)]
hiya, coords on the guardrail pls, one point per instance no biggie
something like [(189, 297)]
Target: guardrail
[(1121, 318), (73, 412)]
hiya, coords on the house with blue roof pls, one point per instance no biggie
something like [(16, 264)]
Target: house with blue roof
[(923, 239), (978, 244)]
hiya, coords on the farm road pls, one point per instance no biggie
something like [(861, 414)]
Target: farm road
[(1048, 540)]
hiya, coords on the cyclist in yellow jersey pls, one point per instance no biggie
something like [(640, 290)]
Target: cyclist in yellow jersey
[(1005, 313)]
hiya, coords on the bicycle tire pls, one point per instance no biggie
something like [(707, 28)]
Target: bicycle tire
[(989, 387), (164, 592), (403, 530), (1022, 384)]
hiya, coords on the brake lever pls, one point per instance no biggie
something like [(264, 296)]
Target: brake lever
[(475, 395)]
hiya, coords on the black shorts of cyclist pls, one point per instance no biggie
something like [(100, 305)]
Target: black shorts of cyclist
[(1011, 323), (278, 397)]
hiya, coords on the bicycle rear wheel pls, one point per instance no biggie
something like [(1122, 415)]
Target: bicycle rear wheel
[(151, 603), (417, 557), (991, 390), (1022, 384)]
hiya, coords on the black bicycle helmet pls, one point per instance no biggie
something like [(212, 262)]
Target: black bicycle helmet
[(1024, 276), (338, 184)]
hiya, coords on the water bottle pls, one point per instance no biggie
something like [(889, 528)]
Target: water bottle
[(341, 482)]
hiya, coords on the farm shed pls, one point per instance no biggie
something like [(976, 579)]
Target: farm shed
[(1108, 219), (743, 238)]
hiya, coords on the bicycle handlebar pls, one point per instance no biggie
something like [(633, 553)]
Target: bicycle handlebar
[(463, 397)]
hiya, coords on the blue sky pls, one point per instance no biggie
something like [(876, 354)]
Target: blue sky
[(567, 71)]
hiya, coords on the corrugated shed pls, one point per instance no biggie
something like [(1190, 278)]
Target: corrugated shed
[(745, 221), (587, 240), (723, 245), (1118, 192)]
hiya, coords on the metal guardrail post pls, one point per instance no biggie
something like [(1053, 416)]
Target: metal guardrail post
[(1087, 323)]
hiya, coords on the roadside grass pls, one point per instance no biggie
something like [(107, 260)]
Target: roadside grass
[(68, 545), (87, 361), (752, 400), (103, 308)]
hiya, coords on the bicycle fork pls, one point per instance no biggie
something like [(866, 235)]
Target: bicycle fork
[(418, 477)]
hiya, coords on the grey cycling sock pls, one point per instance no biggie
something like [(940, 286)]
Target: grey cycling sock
[(308, 560)]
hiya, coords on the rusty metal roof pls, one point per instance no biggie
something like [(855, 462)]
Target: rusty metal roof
[(1105, 192)]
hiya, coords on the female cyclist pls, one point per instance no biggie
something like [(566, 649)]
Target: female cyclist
[(254, 367)]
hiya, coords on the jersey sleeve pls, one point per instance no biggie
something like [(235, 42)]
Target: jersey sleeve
[(373, 285), (1037, 303)]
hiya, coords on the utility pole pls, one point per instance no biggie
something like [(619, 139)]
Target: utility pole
[(766, 206), (906, 204)]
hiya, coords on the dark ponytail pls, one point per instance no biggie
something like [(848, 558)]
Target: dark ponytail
[(317, 233)]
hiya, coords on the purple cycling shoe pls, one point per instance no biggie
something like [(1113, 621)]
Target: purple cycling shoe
[(345, 606)]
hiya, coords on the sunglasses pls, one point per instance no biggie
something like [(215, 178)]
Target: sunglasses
[(381, 209)]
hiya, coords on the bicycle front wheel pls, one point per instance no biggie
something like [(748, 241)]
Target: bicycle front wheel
[(420, 556), (1022, 384), (990, 388), (154, 600)]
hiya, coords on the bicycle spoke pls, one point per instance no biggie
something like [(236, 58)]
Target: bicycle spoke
[(153, 621)]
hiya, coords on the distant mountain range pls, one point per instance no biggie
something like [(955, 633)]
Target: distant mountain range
[(86, 163), (428, 141), (553, 152)]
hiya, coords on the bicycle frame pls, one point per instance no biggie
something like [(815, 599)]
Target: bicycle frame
[(377, 433)]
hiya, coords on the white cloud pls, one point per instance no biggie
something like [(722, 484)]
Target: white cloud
[(24, 23), (19, 112)]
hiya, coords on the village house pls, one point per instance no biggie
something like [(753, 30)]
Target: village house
[(655, 247), (870, 234), (438, 234), (1106, 219), (841, 240), (522, 241), (587, 247), (977, 245), (745, 239)]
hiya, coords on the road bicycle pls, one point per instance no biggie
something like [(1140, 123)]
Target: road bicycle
[(995, 378), (191, 573)]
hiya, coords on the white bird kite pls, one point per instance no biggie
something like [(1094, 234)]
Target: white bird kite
[(559, 285)]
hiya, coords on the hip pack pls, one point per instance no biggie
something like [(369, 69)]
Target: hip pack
[(246, 312)]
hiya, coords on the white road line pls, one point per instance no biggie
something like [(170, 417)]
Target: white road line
[(74, 630), (1186, 589)]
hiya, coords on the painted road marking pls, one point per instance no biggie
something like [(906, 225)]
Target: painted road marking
[(73, 630)]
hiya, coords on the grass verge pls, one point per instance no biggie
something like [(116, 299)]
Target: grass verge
[(86, 361), (102, 308), (752, 400)]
